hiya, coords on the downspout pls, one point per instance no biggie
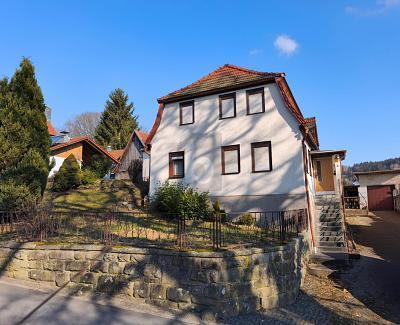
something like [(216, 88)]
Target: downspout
[(308, 193)]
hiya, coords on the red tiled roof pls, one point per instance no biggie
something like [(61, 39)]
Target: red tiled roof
[(117, 153), (50, 128), (311, 125), (86, 139), (227, 76), (142, 135)]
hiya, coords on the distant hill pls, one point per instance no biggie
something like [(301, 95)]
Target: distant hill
[(348, 171)]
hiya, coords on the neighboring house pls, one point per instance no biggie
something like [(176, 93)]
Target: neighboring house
[(83, 148), (377, 188), (240, 135), (134, 150)]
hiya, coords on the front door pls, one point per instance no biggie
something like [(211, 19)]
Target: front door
[(323, 171), (380, 198)]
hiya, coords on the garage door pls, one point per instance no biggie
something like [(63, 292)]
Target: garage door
[(380, 197)]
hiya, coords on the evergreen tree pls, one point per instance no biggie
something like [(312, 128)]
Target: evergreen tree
[(68, 176), (24, 139), (117, 121)]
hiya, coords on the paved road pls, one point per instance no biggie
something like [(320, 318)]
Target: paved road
[(16, 302), (375, 278)]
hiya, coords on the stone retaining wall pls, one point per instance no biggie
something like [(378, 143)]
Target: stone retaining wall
[(221, 283)]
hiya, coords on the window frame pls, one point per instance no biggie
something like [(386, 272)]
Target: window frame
[(171, 165), (223, 97), (234, 147), (261, 144), (186, 104), (253, 92), (318, 169)]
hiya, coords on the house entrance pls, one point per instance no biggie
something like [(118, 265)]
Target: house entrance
[(323, 171)]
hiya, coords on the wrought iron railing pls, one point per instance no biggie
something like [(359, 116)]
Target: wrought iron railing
[(144, 229), (352, 202)]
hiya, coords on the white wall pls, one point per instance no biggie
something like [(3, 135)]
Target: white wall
[(202, 143), (146, 166), (376, 179)]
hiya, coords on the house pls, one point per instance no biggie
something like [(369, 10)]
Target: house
[(377, 188), (240, 135), (83, 148), (134, 150)]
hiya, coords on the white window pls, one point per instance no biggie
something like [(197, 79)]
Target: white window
[(186, 113), (230, 159), (255, 101), (227, 106), (261, 157), (176, 164)]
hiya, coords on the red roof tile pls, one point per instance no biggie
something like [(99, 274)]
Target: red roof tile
[(142, 135), (50, 128), (117, 153), (225, 77)]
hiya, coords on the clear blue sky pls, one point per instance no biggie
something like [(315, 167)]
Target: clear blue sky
[(341, 57)]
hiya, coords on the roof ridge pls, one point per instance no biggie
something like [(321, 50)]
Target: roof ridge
[(236, 67)]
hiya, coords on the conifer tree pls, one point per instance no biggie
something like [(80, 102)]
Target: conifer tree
[(24, 139), (68, 176), (117, 121)]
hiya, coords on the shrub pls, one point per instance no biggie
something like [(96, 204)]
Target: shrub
[(99, 164), (218, 210), (16, 196), (89, 177), (68, 176), (174, 198), (247, 219)]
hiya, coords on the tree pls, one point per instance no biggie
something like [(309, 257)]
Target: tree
[(117, 121), (68, 176), (84, 124), (24, 139)]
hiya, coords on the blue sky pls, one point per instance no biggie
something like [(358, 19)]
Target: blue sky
[(342, 58)]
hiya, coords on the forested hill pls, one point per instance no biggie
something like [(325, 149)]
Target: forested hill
[(392, 163)]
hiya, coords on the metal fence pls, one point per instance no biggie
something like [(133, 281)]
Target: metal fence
[(352, 202), (142, 229)]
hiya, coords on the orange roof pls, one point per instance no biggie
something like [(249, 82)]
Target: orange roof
[(86, 139), (224, 78), (117, 153), (50, 128), (311, 124), (142, 135)]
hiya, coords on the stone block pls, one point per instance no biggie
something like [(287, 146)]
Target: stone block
[(110, 257), (80, 289), (124, 257), (151, 272), (61, 278), (116, 267), (41, 275), (61, 255), (76, 265), (162, 303), (89, 278), (270, 302), (214, 276), (80, 255), (21, 274), (133, 270), (53, 265), (178, 295), (249, 305), (216, 291), (35, 264), (112, 284), (158, 291), (36, 255), (99, 266), (128, 289), (141, 289)]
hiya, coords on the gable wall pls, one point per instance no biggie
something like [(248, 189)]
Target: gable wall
[(202, 143)]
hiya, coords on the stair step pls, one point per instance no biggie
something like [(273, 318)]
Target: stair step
[(322, 271), (327, 255)]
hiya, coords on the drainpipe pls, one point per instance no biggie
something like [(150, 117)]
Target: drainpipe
[(310, 221)]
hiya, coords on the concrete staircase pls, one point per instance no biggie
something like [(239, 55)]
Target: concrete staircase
[(330, 227)]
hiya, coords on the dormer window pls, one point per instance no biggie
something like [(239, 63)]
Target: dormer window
[(255, 101), (227, 106), (186, 113)]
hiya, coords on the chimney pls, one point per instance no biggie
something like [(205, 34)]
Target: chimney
[(65, 136), (109, 148)]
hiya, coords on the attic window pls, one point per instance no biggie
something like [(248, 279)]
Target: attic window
[(255, 101), (186, 113), (261, 157), (227, 106)]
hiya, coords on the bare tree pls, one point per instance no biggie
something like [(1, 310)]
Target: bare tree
[(83, 124)]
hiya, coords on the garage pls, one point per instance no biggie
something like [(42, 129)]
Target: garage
[(380, 197), (377, 189)]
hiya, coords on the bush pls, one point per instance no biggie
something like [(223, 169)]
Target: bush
[(99, 164), (68, 176), (89, 177), (218, 210), (247, 219), (173, 198), (16, 196)]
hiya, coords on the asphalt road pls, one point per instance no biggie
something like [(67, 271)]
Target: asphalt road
[(16, 302)]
